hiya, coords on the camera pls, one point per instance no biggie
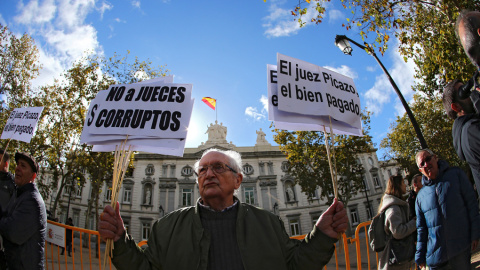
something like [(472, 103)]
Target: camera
[(465, 90)]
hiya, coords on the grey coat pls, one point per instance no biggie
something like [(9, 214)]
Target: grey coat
[(396, 225)]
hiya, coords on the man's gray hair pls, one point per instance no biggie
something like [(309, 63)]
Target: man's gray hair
[(421, 151), (234, 159)]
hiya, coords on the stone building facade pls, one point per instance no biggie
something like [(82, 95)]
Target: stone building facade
[(161, 184)]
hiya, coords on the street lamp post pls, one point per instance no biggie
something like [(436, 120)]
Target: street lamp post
[(342, 42)]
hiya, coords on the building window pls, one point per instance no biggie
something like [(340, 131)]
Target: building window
[(108, 194), (172, 171), (76, 218), (78, 191), (127, 195), (294, 227), (313, 195), (145, 230), (354, 216), (187, 194), (249, 195)]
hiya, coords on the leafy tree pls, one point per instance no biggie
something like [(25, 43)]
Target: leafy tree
[(308, 163), (18, 65), (425, 30), (437, 129)]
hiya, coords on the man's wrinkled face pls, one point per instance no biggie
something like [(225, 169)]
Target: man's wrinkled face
[(23, 173), (427, 164), (217, 185)]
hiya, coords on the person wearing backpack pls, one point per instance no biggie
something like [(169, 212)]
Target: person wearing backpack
[(397, 226)]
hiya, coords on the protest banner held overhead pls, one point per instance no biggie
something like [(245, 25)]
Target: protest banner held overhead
[(308, 89), (302, 122), (22, 123), (154, 114)]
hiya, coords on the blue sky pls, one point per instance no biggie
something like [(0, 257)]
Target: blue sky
[(221, 47)]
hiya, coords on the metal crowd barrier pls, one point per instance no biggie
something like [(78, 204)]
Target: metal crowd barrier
[(88, 254)]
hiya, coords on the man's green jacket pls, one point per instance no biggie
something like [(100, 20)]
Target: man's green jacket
[(178, 241)]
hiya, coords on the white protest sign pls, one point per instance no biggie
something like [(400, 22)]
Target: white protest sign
[(156, 110), (56, 234), (178, 151), (22, 123), (165, 79), (93, 139), (309, 89), (302, 122)]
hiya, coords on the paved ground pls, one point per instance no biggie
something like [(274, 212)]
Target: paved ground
[(82, 260)]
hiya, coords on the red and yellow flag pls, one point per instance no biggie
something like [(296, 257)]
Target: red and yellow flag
[(211, 102)]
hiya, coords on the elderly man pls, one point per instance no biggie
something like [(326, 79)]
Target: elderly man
[(222, 233), (23, 228), (466, 127), (448, 222)]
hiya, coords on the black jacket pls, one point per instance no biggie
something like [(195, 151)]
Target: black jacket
[(24, 229), (7, 187)]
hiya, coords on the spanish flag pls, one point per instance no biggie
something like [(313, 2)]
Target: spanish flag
[(211, 102)]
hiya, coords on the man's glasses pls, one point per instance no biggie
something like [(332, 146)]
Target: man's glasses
[(425, 161), (217, 168)]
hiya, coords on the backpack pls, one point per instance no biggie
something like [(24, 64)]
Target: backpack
[(376, 233)]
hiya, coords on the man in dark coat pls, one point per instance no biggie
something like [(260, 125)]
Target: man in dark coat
[(23, 227), (466, 127), (7, 187)]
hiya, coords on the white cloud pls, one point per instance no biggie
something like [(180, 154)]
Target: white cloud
[(61, 33), (104, 6), (335, 15), (33, 13), (344, 70), (280, 21), (264, 101), (253, 113), (136, 4), (382, 91), (371, 68)]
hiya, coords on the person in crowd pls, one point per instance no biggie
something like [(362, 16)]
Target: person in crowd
[(416, 185), (68, 237), (7, 187), (467, 29), (448, 222), (220, 232), (23, 227), (397, 223), (466, 127)]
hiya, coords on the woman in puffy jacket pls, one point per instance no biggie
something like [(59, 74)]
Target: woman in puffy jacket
[(397, 224)]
